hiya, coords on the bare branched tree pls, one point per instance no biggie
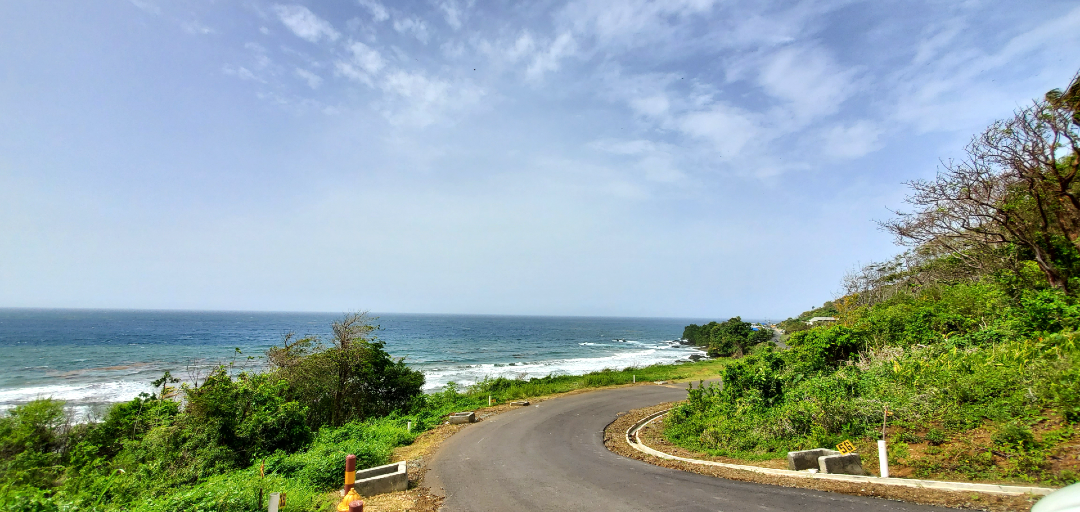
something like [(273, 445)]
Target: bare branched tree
[(1017, 185), (880, 281)]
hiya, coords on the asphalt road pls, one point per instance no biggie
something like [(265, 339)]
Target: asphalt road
[(551, 456)]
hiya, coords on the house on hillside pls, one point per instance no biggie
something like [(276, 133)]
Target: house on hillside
[(817, 319)]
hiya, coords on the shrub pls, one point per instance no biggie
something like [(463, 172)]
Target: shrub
[(935, 437), (353, 379), (32, 443), (818, 349), (1015, 436)]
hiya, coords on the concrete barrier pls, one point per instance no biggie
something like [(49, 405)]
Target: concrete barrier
[(382, 479), (842, 464), (520, 403), (462, 417), (807, 459)]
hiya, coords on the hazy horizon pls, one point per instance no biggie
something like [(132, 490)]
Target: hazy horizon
[(376, 314)]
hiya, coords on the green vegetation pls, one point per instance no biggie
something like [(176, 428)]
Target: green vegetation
[(199, 447), (969, 339), (792, 325), (223, 444), (731, 337)]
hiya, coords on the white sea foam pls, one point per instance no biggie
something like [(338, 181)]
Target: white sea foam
[(80, 399), (93, 392), (469, 374)]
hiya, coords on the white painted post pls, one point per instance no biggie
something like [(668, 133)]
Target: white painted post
[(635, 379), (410, 426), (275, 499), (883, 458), (489, 400)]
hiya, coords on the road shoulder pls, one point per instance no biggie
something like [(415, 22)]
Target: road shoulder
[(615, 440)]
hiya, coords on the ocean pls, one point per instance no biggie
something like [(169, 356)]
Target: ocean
[(91, 358)]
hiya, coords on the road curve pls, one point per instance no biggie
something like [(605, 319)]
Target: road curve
[(551, 456)]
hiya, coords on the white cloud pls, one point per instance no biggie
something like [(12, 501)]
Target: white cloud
[(506, 50), (413, 26), (938, 42), (967, 86), (194, 27), (305, 24), (262, 60), (421, 101), (548, 60), (727, 129), (654, 161), (416, 87), (242, 73), (147, 6), (655, 106), (422, 97), (366, 62), (660, 167), (853, 140), (522, 46), (632, 22), (312, 79), (452, 13), (378, 11), (367, 57), (625, 147), (453, 49), (807, 79)]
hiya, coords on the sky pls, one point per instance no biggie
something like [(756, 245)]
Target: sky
[(679, 158)]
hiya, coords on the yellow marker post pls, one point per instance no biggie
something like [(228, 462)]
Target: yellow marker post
[(349, 492), (846, 447)]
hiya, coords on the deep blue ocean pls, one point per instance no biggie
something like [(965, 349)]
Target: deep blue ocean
[(90, 358)]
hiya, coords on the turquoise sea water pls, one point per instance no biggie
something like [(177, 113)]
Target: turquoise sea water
[(94, 357)]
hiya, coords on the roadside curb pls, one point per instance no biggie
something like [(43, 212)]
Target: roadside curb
[(634, 440)]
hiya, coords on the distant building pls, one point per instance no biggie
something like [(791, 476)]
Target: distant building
[(817, 319)]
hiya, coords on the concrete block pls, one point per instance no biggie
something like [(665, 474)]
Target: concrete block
[(382, 479), (521, 403), (463, 417), (846, 464), (807, 459)]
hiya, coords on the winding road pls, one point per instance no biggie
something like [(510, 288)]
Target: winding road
[(551, 456)]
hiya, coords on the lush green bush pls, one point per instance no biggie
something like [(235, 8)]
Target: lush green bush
[(351, 379), (822, 348), (32, 443), (249, 414)]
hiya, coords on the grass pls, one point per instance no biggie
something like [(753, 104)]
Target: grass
[(502, 389)]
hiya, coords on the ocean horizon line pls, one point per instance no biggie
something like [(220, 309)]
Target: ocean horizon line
[(373, 314)]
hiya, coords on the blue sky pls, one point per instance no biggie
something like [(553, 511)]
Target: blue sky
[(681, 158)]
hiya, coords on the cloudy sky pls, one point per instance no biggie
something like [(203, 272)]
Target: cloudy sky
[(689, 158)]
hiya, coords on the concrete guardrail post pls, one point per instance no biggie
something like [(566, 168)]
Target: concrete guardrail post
[(276, 501), (883, 458)]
